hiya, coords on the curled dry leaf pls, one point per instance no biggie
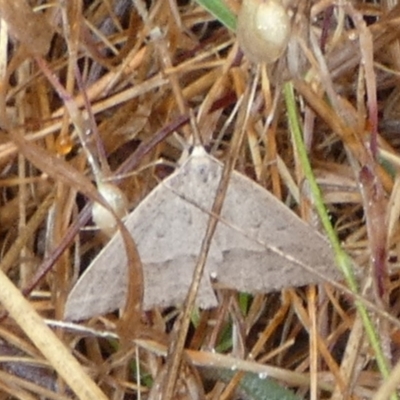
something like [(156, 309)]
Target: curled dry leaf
[(263, 30)]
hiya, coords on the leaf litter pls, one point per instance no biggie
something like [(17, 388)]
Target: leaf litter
[(138, 100)]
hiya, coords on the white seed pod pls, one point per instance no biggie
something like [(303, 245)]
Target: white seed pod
[(263, 30), (103, 219)]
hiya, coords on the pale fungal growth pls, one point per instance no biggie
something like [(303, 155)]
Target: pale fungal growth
[(263, 30), (103, 219)]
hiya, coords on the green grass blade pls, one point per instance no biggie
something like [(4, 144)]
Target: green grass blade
[(342, 259), (220, 11)]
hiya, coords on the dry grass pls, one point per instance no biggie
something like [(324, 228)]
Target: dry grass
[(134, 89)]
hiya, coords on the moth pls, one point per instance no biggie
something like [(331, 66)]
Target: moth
[(259, 245)]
